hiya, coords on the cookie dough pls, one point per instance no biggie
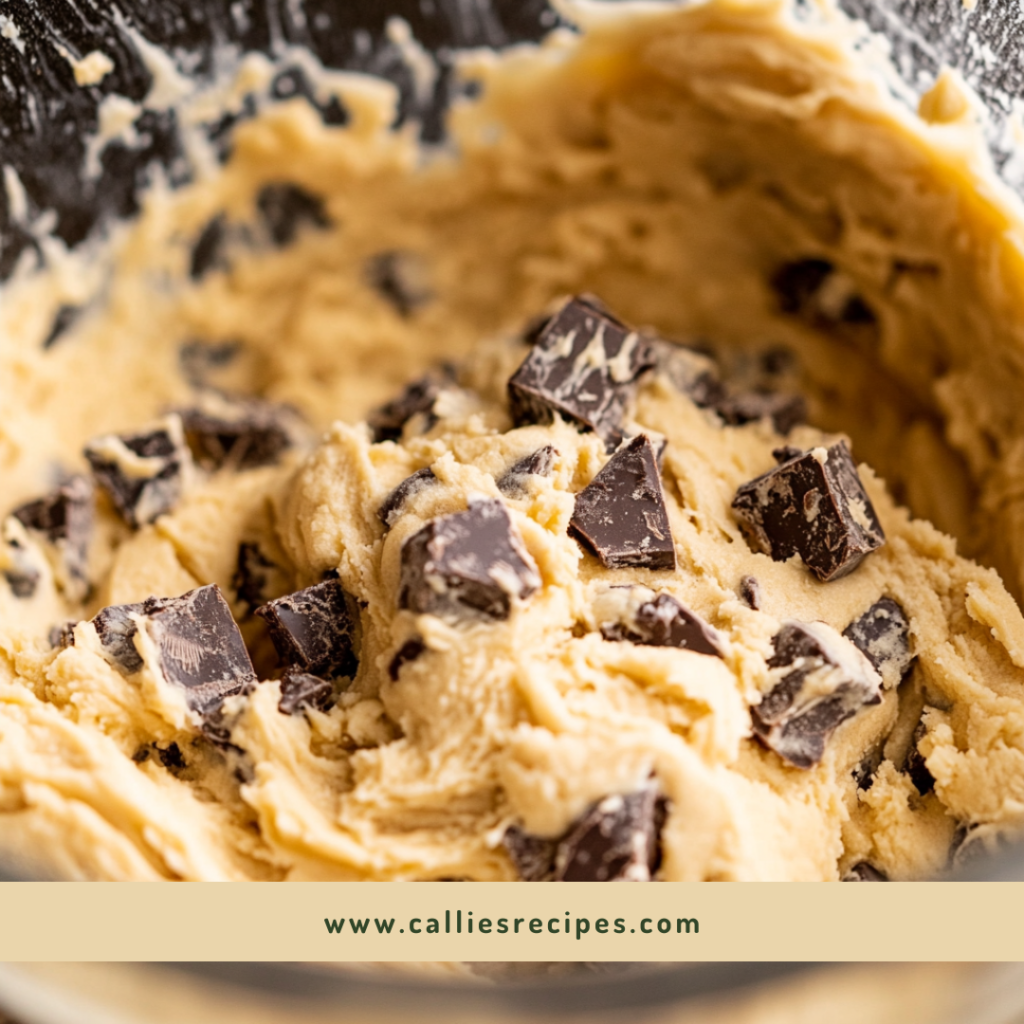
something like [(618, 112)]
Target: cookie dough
[(271, 611)]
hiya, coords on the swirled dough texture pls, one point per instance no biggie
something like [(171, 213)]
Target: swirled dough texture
[(671, 161)]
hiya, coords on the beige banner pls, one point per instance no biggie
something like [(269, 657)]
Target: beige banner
[(482, 921)]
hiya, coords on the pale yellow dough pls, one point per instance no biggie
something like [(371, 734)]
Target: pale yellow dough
[(667, 160)]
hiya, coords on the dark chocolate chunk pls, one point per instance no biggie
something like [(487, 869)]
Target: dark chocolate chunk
[(393, 506), (584, 367), (514, 484), (314, 630), (64, 520), (883, 634), (472, 561), (238, 433), (533, 856), (621, 516), (116, 631), (864, 872), (920, 776), (300, 690), (19, 571), (200, 647), (141, 755), (142, 473), (785, 411), (815, 292), (63, 634), (400, 277), (864, 773), (170, 756), (417, 399), (690, 372), (813, 505), (208, 251), (750, 592), (615, 840), (819, 681), (665, 622), (409, 651), (255, 576), (65, 318), (285, 208)]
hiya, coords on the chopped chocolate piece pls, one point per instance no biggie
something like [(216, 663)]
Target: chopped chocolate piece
[(142, 473), (200, 647), (813, 505), (285, 208), (409, 651), (393, 506), (65, 319), (515, 483), (786, 452), (691, 372), (533, 856), (750, 591), (864, 773), (584, 367), (621, 516), (920, 776), (19, 572), (116, 631), (401, 278), (238, 434), (864, 872), (208, 252), (141, 755), (615, 840), (883, 634), (785, 411), (300, 690), (200, 360), (254, 576), (170, 756), (63, 634), (819, 681), (418, 398), (815, 292), (314, 630), (472, 561), (796, 284), (663, 621), (64, 520)]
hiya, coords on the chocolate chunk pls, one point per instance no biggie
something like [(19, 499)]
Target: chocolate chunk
[(393, 506), (615, 840), (116, 631), (819, 680), (621, 517), (814, 291), (785, 411), (864, 872), (285, 207), (864, 773), (515, 483), (533, 856), (142, 473), (401, 278), (199, 645), (300, 690), (472, 561), (584, 367), (694, 374), (238, 433), (17, 565), (63, 634), (409, 651), (255, 576), (920, 776), (314, 630), (170, 757), (65, 318), (64, 520), (201, 360), (883, 634), (813, 505), (208, 252), (417, 399), (661, 621), (750, 592)]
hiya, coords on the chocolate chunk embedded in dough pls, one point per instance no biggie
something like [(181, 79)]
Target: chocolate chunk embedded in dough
[(813, 505), (300, 690), (814, 291), (864, 872), (920, 776), (819, 680), (238, 433), (883, 634), (142, 473), (665, 622), (409, 651), (533, 856), (285, 208), (401, 278), (116, 631), (63, 634), (621, 516), (583, 367), (615, 840), (314, 630), (417, 399), (750, 592), (393, 506), (469, 562), (208, 251), (255, 576), (785, 411), (64, 520), (514, 484), (693, 373), (65, 318)]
